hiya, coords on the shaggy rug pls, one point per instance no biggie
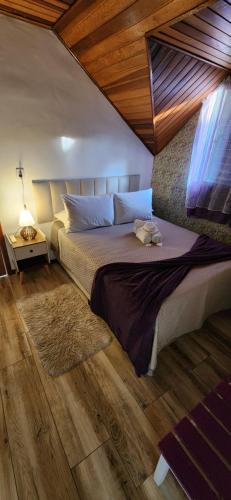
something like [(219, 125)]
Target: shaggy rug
[(63, 328)]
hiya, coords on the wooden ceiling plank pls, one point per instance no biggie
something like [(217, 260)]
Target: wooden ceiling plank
[(123, 93), (160, 56), (114, 72), (172, 128), (173, 105), (57, 6), (191, 51), (141, 124), (187, 94), (177, 64), (135, 107), (134, 115), (223, 9), (19, 9), (171, 80), (199, 91), (215, 20), (63, 6), (209, 30), (35, 6), (139, 75), (78, 11), (134, 85), (176, 84), (210, 51), (158, 69), (122, 38), (98, 21), (141, 121), (37, 21), (117, 55), (162, 140), (191, 10), (127, 76), (143, 101), (165, 128), (145, 130), (154, 49), (125, 19), (203, 38)]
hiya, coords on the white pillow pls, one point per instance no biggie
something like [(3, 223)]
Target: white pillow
[(62, 216), (134, 205), (88, 212)]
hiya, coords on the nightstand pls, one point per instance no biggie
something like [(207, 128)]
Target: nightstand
[(27, 253)]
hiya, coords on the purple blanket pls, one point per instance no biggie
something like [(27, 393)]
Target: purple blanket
[(128, 296)]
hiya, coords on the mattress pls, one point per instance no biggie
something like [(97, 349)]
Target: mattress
[(205, 290)]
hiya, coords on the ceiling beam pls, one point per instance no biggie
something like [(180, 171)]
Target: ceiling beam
[(181, 11)]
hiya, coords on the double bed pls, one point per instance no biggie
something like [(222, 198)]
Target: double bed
[(204, 291)]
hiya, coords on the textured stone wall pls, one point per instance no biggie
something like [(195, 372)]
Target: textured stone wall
[(170, 172)]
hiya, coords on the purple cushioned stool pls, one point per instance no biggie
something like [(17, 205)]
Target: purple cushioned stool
[(198, 450)]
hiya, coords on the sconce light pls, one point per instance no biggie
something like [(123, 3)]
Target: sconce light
[(26, 221)]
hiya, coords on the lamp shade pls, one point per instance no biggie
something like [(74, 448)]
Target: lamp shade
[(25, 218)]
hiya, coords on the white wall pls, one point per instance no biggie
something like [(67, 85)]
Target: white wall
[(54, 119)]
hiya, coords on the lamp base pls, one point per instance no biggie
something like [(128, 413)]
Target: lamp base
[(28, 233)]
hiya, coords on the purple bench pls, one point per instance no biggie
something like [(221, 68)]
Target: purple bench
[(198, 450)]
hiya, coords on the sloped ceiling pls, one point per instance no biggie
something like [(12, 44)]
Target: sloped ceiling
[(45, 13), (206, 35), (180, 83), (109, 39)]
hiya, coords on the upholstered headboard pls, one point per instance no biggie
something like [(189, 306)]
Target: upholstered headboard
[(47, 192)]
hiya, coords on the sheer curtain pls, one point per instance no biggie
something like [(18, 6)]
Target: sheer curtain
[(209, 181)]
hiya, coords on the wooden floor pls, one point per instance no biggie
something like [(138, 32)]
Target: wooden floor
[(93, 433)]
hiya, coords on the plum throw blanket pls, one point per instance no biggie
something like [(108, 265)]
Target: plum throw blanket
[(128, 296)]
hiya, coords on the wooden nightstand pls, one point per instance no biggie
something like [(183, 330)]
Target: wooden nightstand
[(27, 253)]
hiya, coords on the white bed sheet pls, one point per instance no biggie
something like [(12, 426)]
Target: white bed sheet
[(204, 291)]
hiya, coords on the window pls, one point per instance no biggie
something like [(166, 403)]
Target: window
[(209, 182)]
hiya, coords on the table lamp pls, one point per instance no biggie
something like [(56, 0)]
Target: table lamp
[(26, 221)]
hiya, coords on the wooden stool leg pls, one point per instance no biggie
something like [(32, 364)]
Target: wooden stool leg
[(21, 274), (161, 471)]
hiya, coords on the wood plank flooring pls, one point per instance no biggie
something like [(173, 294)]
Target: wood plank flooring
[(93, 433)]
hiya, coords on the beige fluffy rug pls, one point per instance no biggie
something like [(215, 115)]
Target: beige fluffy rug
[(63, 328)]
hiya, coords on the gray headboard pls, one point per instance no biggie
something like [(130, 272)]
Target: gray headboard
[(47, 192)]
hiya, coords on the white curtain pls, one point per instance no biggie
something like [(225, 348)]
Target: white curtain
[(209, 181)]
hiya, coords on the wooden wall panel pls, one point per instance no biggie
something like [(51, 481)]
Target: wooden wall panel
[(180, 83)]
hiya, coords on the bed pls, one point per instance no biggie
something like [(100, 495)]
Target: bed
[(204, 291)]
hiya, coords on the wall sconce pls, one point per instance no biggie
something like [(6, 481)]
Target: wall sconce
[(26, 221)]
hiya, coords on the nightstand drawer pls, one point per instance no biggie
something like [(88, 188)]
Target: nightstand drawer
[(30, 251)]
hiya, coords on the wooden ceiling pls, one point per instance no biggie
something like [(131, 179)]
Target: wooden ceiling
[(206, 35), (43, 12), (109, 39), (180, 83)]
